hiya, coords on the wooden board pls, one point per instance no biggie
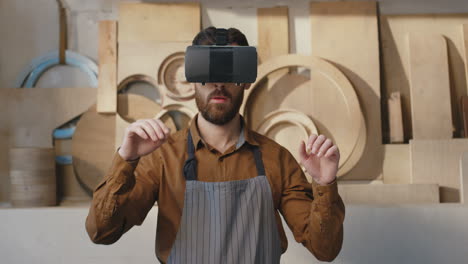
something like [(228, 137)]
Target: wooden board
[(396, 164), (328, 98), (150, 21), (438, 162), (28, 117), (429, 87), (145, 59), (346, 34), (396, 118), (93, 147), (389, 194), (273, 39), (107, 52), (464, 177), (393, 32), (35, 113), (273, 32), (68, 188), (465, 50), (464, 115)]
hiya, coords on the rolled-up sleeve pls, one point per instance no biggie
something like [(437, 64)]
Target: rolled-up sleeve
[(124, 197), (314, 213)]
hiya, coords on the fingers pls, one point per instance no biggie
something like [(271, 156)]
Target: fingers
[(310, 143), (159, 132), (302, 151), (163, 126), (325, 146), (139, 131), (153, 129), (317, 143), (148, 129), (320, 146), (332, 151)]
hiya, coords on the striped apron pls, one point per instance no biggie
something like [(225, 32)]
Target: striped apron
[(227, 222)]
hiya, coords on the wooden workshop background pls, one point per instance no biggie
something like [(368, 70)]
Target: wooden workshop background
[(388, 88), (385, 79)]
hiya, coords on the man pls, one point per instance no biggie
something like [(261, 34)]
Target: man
[(219, 185)]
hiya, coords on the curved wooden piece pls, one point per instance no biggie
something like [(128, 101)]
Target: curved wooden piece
[(352, 134)]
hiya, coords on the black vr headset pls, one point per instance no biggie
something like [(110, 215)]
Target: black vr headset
[(221, 62)]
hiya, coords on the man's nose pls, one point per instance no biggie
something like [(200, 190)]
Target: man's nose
[(219, 85)]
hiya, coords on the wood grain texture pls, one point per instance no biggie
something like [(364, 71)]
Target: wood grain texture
[(393, 31), (397, 164), (32, 177), (389, 194), (29, 116), (346, 34), (107, 52), (68, 189), (93, 147), (396, 118), (273, 38), (438, 162), (273, 32), (429, 87), (158, 21)]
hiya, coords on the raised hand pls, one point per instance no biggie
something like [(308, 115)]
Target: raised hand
[(320, 158), (143, 137)]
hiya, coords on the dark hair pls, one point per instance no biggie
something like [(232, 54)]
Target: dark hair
[(208, 37)]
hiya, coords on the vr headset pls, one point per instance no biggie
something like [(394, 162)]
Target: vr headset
[(220, 62)]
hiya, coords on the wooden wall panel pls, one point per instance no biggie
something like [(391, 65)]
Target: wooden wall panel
[(396, 118), (438, 162), (395, 75), (162, 22), (397, 164), (107, 49), (429, 87)]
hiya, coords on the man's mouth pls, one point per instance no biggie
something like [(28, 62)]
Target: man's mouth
[(219, 99)]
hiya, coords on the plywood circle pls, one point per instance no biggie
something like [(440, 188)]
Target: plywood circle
[(140, 78), (327, 95), (288, 128), (171, 76), (93, 144), (186, 114)]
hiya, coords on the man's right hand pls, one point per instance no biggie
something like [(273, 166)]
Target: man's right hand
[(143, 137)]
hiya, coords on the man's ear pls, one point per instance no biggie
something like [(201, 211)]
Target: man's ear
[(247, 86)]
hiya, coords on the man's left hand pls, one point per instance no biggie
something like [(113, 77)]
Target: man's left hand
[(320, 157)]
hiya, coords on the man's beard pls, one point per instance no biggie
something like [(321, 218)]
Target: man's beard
[(219, 114)]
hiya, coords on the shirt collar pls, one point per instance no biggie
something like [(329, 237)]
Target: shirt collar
[(246, 134)]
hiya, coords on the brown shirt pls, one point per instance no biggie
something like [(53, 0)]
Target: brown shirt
[(314, 213)]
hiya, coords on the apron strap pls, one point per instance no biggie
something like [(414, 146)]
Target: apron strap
[(190, 165), (258, 160)]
